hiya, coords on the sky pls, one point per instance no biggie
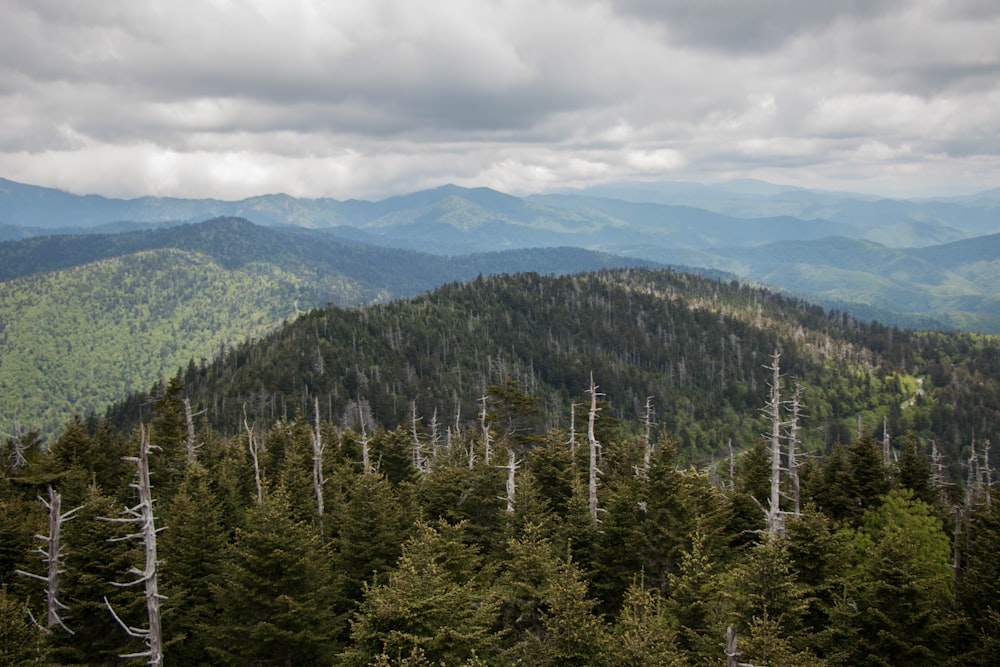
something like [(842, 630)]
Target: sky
[(371, 98)]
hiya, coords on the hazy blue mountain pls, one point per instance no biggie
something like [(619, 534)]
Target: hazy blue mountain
[(674, 213), (758, 231), (950, 285)]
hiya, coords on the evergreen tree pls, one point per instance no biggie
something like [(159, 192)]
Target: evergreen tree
[(620, 543), (869, 477), (193, 548), (694, 604), (642, 634), (434, 604), (22, 643), (978, 584), (374, 520), (902, 586), (94, 559), (571, 633), (765, 585), (275, 592), (915, 471)]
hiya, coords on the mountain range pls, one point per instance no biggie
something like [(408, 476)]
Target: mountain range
[(922, 263), (144, 285)]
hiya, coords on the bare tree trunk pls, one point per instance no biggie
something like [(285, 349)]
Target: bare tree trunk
[(647, 452), (594, 454), (572, 431), (487, 446), (318, 481), (420, 461), (366, 461), (732, 466), (18, 455), (511, 468), (189, 443), (773, 411), (733, 654), (987, 474), (793, 443), (886, 443), (142, 514), (254, 446), (52, 555)]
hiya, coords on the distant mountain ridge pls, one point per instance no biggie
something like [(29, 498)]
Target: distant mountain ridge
[(858, 253)]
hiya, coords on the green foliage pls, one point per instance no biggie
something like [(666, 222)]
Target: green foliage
[(435, 604), (422, 565), (902, 585), (275, 592), (21, 642)]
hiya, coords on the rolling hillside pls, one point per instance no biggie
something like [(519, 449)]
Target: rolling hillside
[(85, 319), (696, 347)]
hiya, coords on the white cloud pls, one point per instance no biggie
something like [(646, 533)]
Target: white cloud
[(344, 99)]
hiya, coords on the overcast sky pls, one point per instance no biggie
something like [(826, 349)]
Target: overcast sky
[(369, 98)]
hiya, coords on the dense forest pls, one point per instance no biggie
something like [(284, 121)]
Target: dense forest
[(86, 318), (617, 468)]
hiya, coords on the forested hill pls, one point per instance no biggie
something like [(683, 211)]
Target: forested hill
[(84, 319), (408, 484), (697, 348)]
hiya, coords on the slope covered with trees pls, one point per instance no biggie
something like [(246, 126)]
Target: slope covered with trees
[(85, 319), (697, 347), (319, 511)]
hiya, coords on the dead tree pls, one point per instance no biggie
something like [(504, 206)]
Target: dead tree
[(142, 515), (189, 442), (886, 443), (18, 454), (773, 412), (487, 445), (595, 448), (987, 473), (511, 469), (647, 452), (793, 445), (253, 444), (572, 431), (318, 446), (366, 459), (420, 461), (733, 654), (435, 434), (52, 556)]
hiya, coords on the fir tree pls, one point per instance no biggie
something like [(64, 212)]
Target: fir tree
[(275, 591), (434, 604)]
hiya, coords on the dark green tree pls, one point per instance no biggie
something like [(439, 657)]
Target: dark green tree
[(275, 592), (902, 586), (435, 603), (22, 643), (193, 548), (642, 633)]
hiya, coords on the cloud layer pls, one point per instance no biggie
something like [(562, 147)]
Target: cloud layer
[(231, 98)]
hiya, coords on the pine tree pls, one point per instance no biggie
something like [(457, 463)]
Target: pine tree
[(275, 591), (193, 549), (642, 634), (902, 586), (434, 603), (694, 603), (570, 633), (22, 643), (95, 557), (375, 518), (978, 585)]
